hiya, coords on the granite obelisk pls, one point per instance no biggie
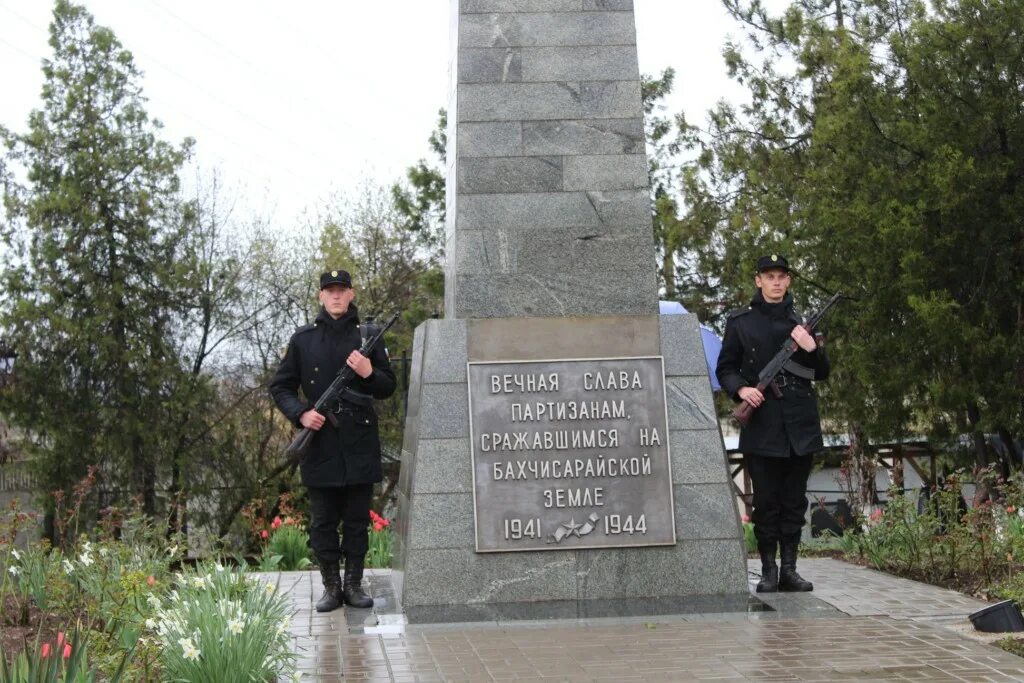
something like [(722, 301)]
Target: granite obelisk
[(561, 441)]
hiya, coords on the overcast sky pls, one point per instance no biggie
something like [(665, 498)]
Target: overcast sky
[(293, 101)]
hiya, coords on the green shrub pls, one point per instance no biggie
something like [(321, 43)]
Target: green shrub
[(287, 550)]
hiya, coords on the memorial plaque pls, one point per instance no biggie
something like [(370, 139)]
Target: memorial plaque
[(570, 454)]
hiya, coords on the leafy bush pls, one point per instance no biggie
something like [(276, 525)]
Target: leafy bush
[(287, 549), (935, 537)]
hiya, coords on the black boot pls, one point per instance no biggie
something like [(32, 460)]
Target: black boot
[(353, 593), (769, 582), (331, 575), (789, 580)]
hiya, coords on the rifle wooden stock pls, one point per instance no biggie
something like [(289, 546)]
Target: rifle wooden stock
[(744, 411)]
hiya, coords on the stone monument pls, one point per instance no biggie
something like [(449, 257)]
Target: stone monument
[(561, 442)]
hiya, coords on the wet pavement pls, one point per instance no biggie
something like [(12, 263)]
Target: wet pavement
[(858, 624)]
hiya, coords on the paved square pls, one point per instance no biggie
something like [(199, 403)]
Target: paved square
[(858, 624)]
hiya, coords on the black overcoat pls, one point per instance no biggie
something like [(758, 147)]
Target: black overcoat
[(752, 337), (349, 453)]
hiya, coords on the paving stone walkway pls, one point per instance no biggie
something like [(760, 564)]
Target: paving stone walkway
[(858, 624)]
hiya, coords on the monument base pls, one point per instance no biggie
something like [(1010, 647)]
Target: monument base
[(435, 560)]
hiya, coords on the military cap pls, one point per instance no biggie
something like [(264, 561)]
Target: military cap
[(772, 261), (335, 277)]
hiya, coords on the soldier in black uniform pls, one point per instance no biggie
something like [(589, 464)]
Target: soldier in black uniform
[(343, 461), (785, 430)]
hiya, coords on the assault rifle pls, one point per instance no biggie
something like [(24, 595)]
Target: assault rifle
[(332, 395), (766, 377)]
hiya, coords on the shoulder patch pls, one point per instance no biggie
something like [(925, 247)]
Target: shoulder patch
[(738, 312)]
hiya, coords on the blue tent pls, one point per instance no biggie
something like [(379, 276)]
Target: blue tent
[(712, 344)]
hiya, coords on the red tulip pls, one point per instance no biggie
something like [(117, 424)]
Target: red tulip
[(67, 650), (60, 638), (45, 651), (264, 534), (150, 580), (276, 523)]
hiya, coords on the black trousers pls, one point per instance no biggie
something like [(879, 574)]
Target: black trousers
[(780, 496), (347, 505)]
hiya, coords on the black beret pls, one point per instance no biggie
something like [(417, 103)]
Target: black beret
[(774, 261), (335, 277)]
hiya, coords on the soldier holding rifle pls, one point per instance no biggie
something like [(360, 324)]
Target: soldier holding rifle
[(784, 430), (343, 459)]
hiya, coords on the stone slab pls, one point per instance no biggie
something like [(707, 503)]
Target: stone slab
[(497, 175), (445, 466), (554, 210), (490, 65), (561, 294), (698, 456), (689, 403), (606, 172), (489, 139), (682, 346), (594, 136), (454, 576), (443, 412), (444, 356), (498, 339), (685, 569), (579, 63), (442, 520), (538, 251), (488, 6), (548, 101), (546, 29), (607, 5), (705, 511)]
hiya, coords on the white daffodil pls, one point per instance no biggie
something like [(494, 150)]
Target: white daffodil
[(154, 601), (68, 567), (173, 550), (86, 559), (151, 624), (271, 588), (103, 552), (87, 547), (199, 581), (219, 567), (14, 571), (14, 551), (235, 626), (188, 649)]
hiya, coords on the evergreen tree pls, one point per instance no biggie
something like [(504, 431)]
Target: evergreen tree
[(96, 267), (883, 148)]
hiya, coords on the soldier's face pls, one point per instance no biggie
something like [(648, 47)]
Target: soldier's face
[(336, 299), (773, 283)]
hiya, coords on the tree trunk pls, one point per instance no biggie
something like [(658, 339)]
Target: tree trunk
[(1012, 457)]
